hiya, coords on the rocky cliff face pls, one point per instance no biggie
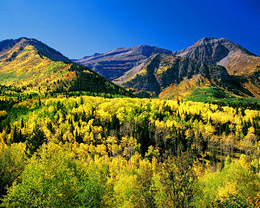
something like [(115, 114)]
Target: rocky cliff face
[(162, 70), (116, 63), (211, 50), (222, 52), (238, 61)]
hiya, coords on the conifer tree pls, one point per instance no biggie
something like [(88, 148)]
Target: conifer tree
[(37, 139)]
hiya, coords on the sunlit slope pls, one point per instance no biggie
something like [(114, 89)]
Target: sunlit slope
[(30, 66), (185, 87)]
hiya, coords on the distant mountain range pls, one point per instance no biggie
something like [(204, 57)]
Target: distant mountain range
[(133, 67), (28, 65), (116, 63)]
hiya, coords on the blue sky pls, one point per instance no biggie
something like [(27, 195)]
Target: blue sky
[(82, 27)]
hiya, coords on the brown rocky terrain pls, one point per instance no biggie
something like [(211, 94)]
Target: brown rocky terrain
[(116, 63)]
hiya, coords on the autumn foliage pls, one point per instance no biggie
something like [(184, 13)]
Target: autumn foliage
[(127, 152)]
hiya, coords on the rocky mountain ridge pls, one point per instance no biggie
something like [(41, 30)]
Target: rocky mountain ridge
[(234, 57), (162, 71), (116, 63)]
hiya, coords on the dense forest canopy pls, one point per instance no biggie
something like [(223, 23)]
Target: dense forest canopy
[(84, 151)]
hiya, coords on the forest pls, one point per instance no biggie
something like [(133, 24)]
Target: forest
[(91, 151)]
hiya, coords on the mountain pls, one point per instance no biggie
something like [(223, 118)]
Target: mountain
[(165, 71), (239, 62), (6, 47), (116, 63), (30, 66), (120, 64), (123, 65), (235, 58)]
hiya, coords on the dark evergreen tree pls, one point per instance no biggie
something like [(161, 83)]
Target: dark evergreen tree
[(15, 135), (40, 102), (81, 101), (37, 139), (21, 136), (22, 123)]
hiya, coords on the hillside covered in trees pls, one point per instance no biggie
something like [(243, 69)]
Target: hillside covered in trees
[(88, 151), (28, 66)]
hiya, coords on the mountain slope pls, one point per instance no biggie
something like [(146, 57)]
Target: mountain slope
[(28, 65), (116, 63), (164, 71)]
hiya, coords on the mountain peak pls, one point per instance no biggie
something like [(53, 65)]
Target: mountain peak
[(206, 39), (210, 41), (41, 48), (212, 50)]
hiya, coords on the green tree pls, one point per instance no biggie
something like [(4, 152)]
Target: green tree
[(174, 185), (12, 162), (37, 139), (56, 179), (232, 185)]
